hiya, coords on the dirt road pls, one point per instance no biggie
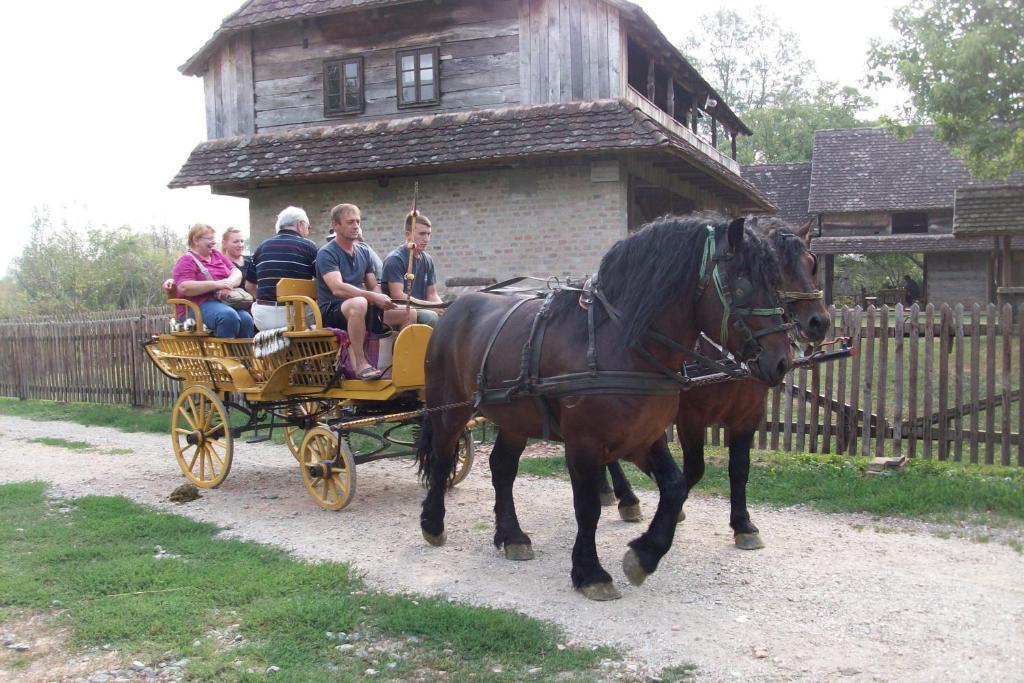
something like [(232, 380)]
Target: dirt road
[(832, 596)]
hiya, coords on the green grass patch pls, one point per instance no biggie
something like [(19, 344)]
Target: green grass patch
[(147, 583), (63, 443), (91, 414), (925, 489)]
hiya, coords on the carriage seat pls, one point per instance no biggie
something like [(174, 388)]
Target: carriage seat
[(297, 296)]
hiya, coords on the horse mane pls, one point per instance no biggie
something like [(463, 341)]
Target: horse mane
[(651, 269)]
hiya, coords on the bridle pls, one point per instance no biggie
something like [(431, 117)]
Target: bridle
[(714, 254)]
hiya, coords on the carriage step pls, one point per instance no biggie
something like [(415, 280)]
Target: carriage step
[(259, 439)]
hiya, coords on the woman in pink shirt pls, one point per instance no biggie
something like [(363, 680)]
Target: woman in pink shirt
[(204, 275)]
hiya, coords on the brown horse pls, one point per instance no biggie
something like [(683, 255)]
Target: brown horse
[(599, 379), (740, 405)]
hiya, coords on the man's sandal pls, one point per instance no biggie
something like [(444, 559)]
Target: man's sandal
[(369, 373)]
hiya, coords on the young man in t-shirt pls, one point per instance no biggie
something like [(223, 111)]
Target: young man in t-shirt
[(423, 289), (347, 289)]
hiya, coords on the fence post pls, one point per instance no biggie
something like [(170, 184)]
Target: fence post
[(897, 397), (944, 332)]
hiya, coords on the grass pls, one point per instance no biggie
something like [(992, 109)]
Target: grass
[(91, 414), (925, 489), (63, 443), (94, 562)]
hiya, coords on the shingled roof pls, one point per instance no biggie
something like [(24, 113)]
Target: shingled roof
[(868, 169), (996, 210), (787, 185), (450, 140)]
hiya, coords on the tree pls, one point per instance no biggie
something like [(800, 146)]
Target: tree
[(757, 67), (963, 62), (785, 132), (64, 270), (752, 63)]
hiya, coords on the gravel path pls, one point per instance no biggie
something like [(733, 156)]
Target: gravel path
[(832, 596)]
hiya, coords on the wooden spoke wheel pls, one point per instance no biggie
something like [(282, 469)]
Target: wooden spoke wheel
[(464, 456), (293, 433), (328, 471), (201, 436)]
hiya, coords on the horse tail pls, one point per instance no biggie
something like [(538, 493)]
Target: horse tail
[(425, 449)]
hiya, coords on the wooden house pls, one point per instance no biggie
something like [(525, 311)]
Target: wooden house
[(538, 131), (869, 192)]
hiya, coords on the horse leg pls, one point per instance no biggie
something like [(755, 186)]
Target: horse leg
[(641, 560), (629, 504), (437, 462), (607, 495), (588, 576), (504, 467), (745, 534), (693, 460)]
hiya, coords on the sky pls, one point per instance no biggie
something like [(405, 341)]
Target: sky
[(97, 119)]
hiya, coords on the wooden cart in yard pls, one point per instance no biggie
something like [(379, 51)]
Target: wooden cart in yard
[(330, 424)]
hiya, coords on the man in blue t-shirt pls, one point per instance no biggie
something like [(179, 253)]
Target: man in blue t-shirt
[(347, 289), (423, 288)]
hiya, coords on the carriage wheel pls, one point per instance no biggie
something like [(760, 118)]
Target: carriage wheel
[(464, 456), (329, 472), (293, 433), (200, 436)]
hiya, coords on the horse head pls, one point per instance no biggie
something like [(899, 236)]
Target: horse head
[(738, 305), (800, 294)]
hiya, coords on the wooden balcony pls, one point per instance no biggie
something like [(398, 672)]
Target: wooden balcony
[(666, 121)]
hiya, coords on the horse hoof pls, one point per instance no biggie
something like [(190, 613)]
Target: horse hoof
[(681, 517), (436, 540), (631, 566), (601, 591), (607, 499), (631, 513), (518, 551), (749, 541)]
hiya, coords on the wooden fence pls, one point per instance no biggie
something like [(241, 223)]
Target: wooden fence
[(934, 383), (94, 358)]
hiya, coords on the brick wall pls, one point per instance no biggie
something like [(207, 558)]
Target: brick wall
[(549, 219)]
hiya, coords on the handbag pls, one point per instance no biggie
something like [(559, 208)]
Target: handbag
[(237, 298)]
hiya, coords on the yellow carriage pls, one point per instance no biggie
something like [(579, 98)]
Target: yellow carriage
[(297, 388)]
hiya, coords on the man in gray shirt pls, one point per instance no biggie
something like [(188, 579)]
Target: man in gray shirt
[(423, 288), (347, 289)]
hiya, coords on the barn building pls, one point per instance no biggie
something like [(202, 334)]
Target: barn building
[(538, 131), (869, 192)]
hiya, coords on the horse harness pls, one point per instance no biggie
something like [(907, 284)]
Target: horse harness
[(665, 381)]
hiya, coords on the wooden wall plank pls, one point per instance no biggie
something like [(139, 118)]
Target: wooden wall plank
[(616, 54), (525, 63), (553, 30)]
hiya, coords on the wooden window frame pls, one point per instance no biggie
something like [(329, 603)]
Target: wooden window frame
[(416, 52), (342, 63)]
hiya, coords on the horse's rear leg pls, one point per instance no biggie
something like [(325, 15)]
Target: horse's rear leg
[(504, 467), (629, 504), (693, 460), (607, 494), (588, 576), (438, 463), (641, 560), (745, 534)]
